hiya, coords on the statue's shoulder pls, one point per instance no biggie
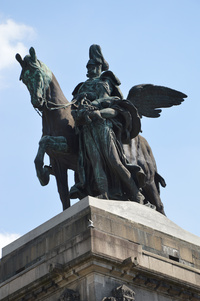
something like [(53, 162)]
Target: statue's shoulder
[(115, 82), (75, 91), (111, 76)]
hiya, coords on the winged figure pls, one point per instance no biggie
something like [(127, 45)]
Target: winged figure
[(150, 100)]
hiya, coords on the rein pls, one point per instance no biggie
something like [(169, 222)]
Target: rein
[(39, 113), (58, 106)]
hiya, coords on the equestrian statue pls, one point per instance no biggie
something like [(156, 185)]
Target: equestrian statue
[(97, 133)]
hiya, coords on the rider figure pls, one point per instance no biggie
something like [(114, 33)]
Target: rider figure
[(104, 120)]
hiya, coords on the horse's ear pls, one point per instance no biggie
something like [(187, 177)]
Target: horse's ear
[(19, 59), (33, 54)]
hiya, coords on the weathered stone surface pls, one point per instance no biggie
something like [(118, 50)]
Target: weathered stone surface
[(69, 295), (121, 293), (126, 245)]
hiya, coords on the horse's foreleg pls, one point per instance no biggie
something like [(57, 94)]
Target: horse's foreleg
[(42, 172), (64, 195), (55, 147), (62, 185), (48, 143)]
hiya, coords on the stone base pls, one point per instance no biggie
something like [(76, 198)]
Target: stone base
[(103, 250)]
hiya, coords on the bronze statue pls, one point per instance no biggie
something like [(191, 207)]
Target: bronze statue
[(90, 134), (103, 122), (58, 135)]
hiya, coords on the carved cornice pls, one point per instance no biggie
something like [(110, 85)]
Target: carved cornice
[(130, 271)]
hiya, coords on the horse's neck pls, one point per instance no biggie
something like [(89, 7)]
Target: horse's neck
[(56, 120), (56, 94)]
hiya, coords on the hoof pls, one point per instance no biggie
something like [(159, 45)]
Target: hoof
[(44, 177)]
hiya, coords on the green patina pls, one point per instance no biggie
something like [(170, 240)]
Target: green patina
[(104, 121), (36, 76)]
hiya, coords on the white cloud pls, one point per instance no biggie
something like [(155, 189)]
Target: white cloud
[(6, 238), (12, 38)]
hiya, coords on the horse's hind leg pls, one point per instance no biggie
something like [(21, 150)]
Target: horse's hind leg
[(152, 195)]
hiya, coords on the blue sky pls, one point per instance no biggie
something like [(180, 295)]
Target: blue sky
[(144, 41)]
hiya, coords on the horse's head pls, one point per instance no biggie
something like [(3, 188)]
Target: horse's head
[(36, 76)]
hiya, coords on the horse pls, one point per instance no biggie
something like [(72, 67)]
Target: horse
[(60, 141), (58, 133), (139, 152)]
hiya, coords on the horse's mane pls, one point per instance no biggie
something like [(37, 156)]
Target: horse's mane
[(45, 71)]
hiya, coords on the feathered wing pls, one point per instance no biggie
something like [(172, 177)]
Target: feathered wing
[(148, 99)]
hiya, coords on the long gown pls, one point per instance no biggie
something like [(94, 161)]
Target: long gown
[(103, 169)]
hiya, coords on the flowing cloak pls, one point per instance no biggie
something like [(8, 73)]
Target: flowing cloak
[(102, 163)]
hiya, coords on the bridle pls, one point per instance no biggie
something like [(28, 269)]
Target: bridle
[(51, 106), (46, 103)]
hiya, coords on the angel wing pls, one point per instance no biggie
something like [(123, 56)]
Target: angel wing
[(148, 99)]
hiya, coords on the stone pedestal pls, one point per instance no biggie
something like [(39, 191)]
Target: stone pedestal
[(103, 250)]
